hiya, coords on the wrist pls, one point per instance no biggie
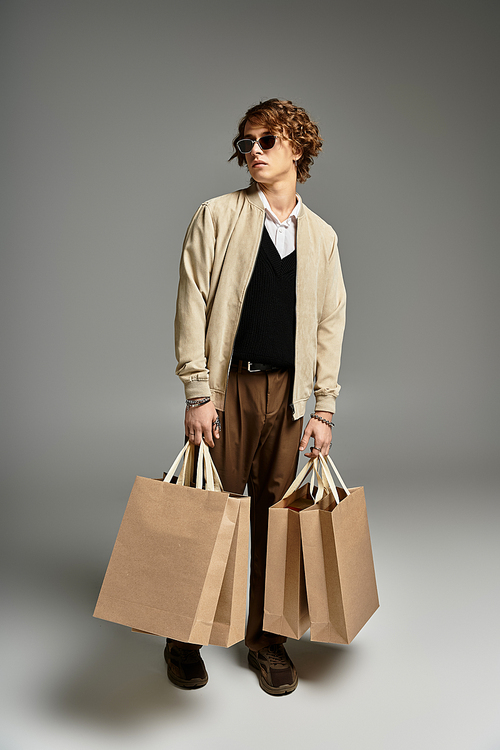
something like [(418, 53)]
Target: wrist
[(324, 419), (197, 401)]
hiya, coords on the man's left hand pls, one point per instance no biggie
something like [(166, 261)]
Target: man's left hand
[(320, 432)]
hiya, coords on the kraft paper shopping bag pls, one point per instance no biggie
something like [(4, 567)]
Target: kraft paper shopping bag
[(285, 603), (338, 561), (179, 564)]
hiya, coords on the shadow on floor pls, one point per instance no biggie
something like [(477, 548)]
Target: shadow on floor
[(121, 683), (315, 662), (100, 673)]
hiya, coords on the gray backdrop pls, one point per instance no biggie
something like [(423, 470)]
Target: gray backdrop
[(117, 122)]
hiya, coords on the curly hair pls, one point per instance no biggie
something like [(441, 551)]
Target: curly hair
[(291, 122)]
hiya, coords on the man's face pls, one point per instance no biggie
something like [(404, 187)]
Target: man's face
[(271, 166)]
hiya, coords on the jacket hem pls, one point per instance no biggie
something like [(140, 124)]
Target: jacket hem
[(299, 409), (218, 398)]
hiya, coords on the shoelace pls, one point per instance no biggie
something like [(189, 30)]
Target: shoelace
[(188, 656), (276, 655)]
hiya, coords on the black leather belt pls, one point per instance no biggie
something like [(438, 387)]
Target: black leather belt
[(241, 364)]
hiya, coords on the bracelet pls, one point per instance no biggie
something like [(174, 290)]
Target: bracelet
[(322, 419), (197, 401)]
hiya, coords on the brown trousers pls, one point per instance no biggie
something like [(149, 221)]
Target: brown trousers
[(258, 446)]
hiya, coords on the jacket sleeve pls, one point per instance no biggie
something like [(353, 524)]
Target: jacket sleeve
[(190, 318), (330, 335)]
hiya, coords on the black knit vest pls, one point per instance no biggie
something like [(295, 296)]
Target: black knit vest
[(266, 333)]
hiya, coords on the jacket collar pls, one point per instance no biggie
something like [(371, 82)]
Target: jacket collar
[(252, 194)]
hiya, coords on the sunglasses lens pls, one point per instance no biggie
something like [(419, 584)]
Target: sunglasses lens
[(245, 145), (267, 142)]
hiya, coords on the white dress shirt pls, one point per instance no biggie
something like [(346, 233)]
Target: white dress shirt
[(282, 233)]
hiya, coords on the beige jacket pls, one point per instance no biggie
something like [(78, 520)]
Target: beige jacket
[(217, 261)]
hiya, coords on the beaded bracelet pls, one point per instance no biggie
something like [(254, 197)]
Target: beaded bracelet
[(197, 402), (322, 419)]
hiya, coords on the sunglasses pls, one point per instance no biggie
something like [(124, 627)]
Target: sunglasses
[(265, 142)]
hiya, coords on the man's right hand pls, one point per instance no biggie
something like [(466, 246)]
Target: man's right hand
[(199, 424)]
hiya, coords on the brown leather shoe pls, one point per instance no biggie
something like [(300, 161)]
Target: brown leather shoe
[(185, 667), (277, 675)]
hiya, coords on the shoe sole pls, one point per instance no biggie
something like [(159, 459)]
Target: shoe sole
[(195, 684), (266, 687), (185, 684)]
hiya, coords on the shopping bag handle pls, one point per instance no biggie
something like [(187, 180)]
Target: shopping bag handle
[(319, 481), (205, 467), (330, 482), (324, 478), (310, 466), (186, 472), (170, 473), (327, 481), (206, 464), (217, 479)]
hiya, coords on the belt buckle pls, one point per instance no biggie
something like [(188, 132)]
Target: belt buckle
[(249, 367)]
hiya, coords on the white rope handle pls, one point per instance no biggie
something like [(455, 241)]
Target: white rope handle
[(205, 468), (300, 477), (324, 478), (205, 461), (170, 473), (310, 466), (319, 480), (206, 465), (187, 470), (217, 479), (329, 479)]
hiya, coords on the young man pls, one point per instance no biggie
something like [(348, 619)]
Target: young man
[(259, 324)]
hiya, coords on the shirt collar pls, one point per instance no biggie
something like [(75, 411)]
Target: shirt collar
[(271, 213)]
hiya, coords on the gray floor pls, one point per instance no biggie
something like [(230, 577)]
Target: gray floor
[(423, 673)]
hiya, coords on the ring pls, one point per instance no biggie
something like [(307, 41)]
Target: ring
[(216, 423)]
